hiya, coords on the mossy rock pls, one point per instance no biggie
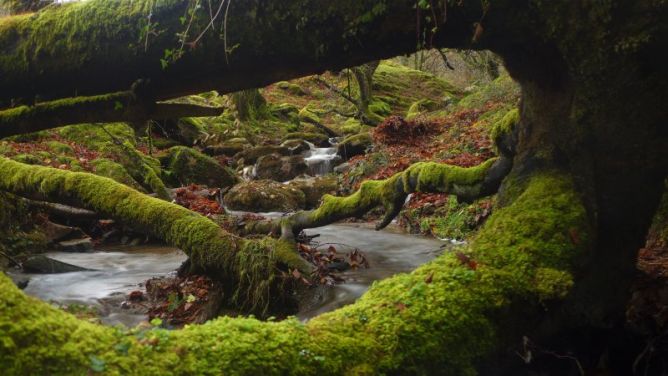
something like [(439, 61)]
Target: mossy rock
[(110, 169), (354, 145), (351, 126), (318, 139), (190, 130), (264, 196), (250, 156), (308, 116), (421, 106), (278, 168), (291, 88), (189, 166), (379, 107), (296, 146), (285, 111), (315, 188), (97, 137), (228, 149)]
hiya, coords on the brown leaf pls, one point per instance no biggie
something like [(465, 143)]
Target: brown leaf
[(429, 278)]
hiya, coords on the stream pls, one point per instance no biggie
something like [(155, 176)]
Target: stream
[(119, 270)]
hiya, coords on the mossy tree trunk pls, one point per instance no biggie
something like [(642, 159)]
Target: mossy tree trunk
[(364, 78), (555, 260), (249, 104)]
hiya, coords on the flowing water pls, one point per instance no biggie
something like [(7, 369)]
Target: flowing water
[(321, 161), (120, 270)]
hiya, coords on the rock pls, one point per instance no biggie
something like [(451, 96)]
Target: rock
[(291, 88), (250, 156), (317, 139), (227, 149), (76, 245), (45, 265), (342, 168), (354, 145), (264, 196), (315, 188), (189, 166), (55, 232), (275, 167), (296, 146)]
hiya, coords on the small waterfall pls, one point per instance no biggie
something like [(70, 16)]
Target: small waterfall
[(248, 173), (320, 161)]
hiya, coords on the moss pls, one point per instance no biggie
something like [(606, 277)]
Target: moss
[(110, 169), (502, 89), (315, 188), (94, 137), (264, 196), (314, 138), (60, 148), (28, 159), (351, 126), (291, 88), (308, 116), (441, 318), (354, 145), (506, 125), (379, 107), (188, 166), (420, 106)]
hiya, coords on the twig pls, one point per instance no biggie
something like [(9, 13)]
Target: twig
[(10, 258)]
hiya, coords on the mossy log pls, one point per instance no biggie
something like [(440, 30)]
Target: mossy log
[(427, 177), (444, 317), (249, 266), (98, 46), (124, 106)]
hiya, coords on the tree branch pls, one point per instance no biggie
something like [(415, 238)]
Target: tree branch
[(125, 106)]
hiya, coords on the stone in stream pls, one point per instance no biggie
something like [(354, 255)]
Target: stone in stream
[(55, 232), (278, 168), (315, 188), (296, 146), (264, 196), (354, 145), (250, 156), (46, 265), (76, 245)]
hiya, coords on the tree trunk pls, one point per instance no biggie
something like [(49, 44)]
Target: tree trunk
[(98, 46)]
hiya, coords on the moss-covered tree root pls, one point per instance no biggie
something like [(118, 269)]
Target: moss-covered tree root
[(444, 317), (465, 183), (250, 266)]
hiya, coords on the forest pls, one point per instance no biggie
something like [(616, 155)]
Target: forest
[(350, 187)]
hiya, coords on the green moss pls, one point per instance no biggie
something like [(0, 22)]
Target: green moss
[(60, 148), (94, 137), (110, 169), (502, 89), (308, 116), (264, 196), (351, 126), (188, 166), (379, 107), (506, 125), (441, 318), (291, 88), (314, 138), (420, 106)]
